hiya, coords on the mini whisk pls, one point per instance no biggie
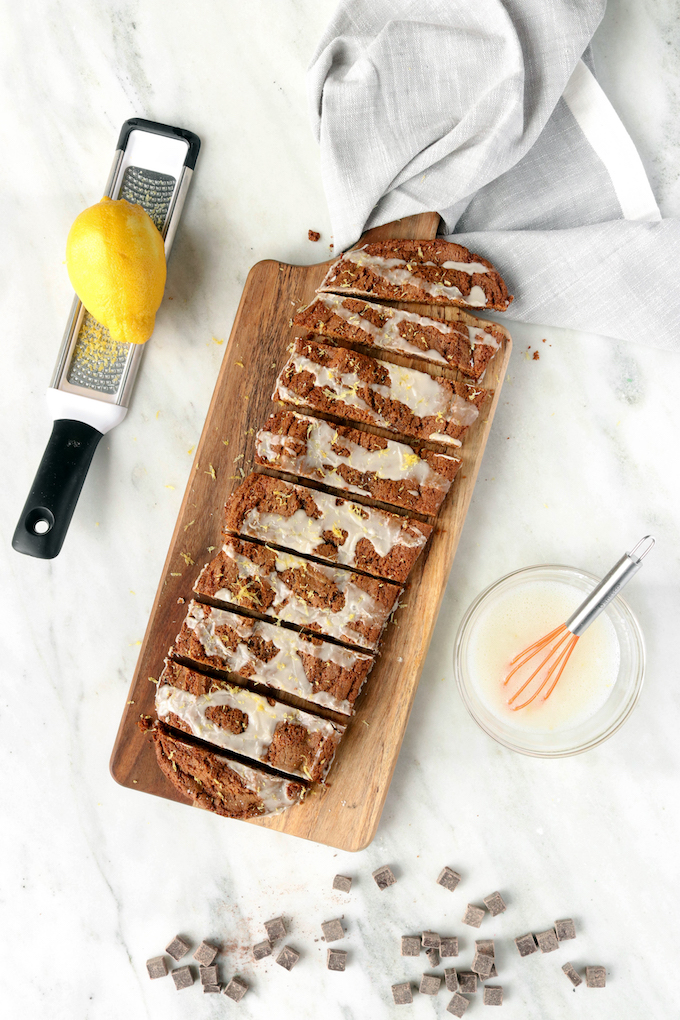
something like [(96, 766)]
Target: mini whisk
[(561, 642)]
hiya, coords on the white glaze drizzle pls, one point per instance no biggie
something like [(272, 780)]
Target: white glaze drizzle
[(358, 606), (395, 272), (262, 720), (396, 462), (285, 671)]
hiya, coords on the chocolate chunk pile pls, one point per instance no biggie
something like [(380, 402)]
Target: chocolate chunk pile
[(548, 941)]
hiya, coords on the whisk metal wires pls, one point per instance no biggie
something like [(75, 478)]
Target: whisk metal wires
[(561, 641)]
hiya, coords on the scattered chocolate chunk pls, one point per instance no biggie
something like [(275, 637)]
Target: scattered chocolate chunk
[(448, 878), (333, 930), (157, 967), (495, 904), (565, 929), (402, 994), (183, 978), (493, 995), (494, 972), (384, 877), (336, 959), (458, 1005), (410, 945), (433, 957), (485, 947), (208, 975), (482, 965), (288, 957), (448, 946), (429, 984), (313, 235), (473, 915), (572, 974), (547, 941), (526, 944), (596, 977), (205, 954), (276, 929), (236, 989), (211, 989), (262, 949), (177, 948), (451, 979), (342, 882), (430, 939), (467, 981)]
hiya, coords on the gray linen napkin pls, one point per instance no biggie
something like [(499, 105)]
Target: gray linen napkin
[(486, 112)]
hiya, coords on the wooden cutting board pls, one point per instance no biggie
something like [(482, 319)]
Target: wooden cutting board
[(346, 813)]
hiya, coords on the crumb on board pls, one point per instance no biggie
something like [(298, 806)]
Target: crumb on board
[(313, 235)]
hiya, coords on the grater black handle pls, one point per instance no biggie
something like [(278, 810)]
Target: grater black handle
[(49, 508)]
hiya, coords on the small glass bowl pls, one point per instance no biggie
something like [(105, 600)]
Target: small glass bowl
[(601, 725)]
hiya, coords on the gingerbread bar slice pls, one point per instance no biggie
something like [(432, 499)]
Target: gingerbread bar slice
[(461, 341), (256, 727), (346, 384), (313, 669), (434, 272), (328, 600), (346, 458), (316, 524), (220, 784)]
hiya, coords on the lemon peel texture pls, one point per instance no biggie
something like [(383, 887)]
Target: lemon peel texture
[(116, 263)]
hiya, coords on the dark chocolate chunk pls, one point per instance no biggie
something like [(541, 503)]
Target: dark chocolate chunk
[(429, 984), (276, 929), (402, 994), (494, 972), (572, 974), (262, 949), (493, 995), (596, 977), (288, 957), (336, 959), (177, 948), (448, 878), (236, 989), (384, 877), (212, 989), (458, 1005), (430, 940), (410, 945), (494, 904), (208, 975), (342, 882), (451, 979), (182, 977), (482, 965), (448, 946), (205, 954), (547, 941), (333, 930), (473, 915), (565, 929), (526, 944), (157, 967), (485, 947), (433, 957), (467, 981)]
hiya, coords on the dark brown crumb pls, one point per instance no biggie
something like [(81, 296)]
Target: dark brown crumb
[(313, 235)]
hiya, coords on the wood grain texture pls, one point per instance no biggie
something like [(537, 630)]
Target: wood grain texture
[(346, 813)]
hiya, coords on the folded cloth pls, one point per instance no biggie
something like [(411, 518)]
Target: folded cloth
[(486, 113)]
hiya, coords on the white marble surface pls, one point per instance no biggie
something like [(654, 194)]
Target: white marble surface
[(581, 462)]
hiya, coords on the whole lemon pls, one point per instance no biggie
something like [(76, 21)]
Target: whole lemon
[(116, 263)]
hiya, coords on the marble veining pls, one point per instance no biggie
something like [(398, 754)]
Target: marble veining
[(580, 464)]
